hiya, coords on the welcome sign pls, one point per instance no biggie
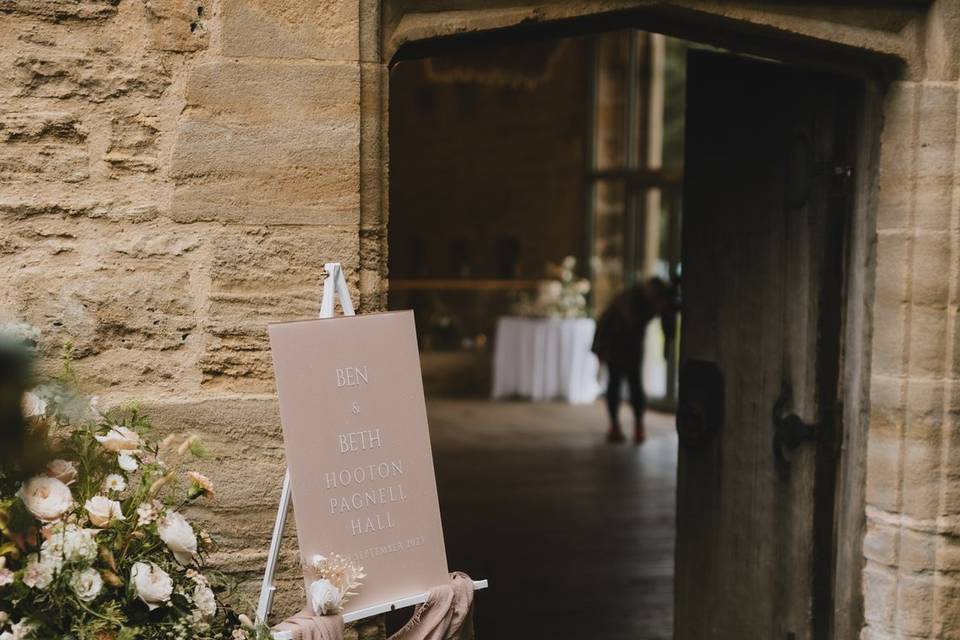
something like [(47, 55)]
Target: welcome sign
[(358, 450)]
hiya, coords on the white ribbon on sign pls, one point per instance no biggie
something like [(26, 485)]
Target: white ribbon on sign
[(335, 276)]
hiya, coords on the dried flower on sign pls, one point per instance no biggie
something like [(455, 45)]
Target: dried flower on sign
[(335, 580)]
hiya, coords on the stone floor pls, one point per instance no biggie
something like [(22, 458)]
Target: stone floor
[(575, 536)]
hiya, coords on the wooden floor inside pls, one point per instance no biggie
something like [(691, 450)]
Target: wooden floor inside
[(576, 536)]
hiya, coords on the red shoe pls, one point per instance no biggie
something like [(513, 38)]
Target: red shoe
[(639, 435), (615, 435)]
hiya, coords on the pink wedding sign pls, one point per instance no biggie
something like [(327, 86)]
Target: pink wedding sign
[(358, 450)]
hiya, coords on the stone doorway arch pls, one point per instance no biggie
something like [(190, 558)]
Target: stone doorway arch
[(898, 51)]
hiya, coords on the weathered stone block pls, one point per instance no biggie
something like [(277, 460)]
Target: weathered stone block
[(889, 328), (888, 399), (951, 462), (931, 264), (317, 29), (124, 298), (879, 596), (892, 268), (42, 126), (946, 603), (925, 409), (94, 75), (898, 136), (133, 143), (178, 25), (894, 203), (263, 149), (237, 351), (915, 604), (921, 476), (936, 131), (269, 143), (918, 550), (948, 555), (24, 204), (62, 10), (880, 543), (277, 197), (928, 331), (68, 163), (932, 203), (883, 473), (113, 308), (43, 146), (273, 261), (288, 92), (260, 277)]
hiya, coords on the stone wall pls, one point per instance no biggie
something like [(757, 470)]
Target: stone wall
[(173, 175)]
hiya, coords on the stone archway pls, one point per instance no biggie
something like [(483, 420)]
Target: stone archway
[(906, 44)]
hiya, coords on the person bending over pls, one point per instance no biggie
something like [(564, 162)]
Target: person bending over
[(618, 343)]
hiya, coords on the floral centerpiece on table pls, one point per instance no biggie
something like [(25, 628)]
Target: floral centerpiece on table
[(562, 296), (93, 541)]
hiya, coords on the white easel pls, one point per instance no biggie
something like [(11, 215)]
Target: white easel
[(335, 283)]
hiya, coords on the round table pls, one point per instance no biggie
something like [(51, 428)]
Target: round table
[(545, 359)]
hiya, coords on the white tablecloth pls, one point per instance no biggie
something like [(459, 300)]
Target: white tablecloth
[(545, 358)]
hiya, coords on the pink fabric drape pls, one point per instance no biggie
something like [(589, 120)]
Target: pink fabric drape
[(306, 626), (446, 615)]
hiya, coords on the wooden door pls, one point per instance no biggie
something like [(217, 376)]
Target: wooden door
[(764, 215)]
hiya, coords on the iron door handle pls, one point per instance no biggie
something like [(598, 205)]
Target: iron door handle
[(789, 431)]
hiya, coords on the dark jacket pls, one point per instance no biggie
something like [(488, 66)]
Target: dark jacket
[(622, 328)]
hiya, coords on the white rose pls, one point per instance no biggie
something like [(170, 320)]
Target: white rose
[(103, 511), (204, 601), (87, 584), (69, 543), (120, 439), (47, 498), (152, 584), (4, 619), (38, 574), (6, 576), (325, 598), (33, 405), (20, 631), (62, 470), (114, 482), (177, 533), (127, 462)]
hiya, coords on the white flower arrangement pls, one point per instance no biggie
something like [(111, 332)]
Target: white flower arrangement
[(336, 580), (93, 544), (563, 296)]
